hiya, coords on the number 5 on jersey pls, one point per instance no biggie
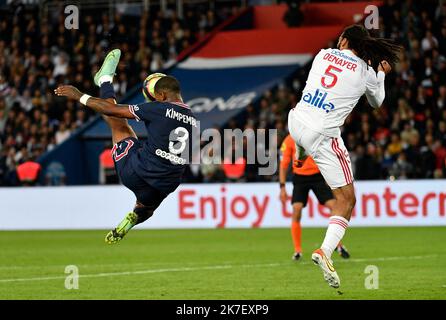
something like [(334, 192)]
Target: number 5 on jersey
[(329, 73)]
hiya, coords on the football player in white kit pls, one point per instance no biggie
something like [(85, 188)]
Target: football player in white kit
[(337, 79)]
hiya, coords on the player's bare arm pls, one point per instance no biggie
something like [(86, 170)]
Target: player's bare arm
[(282, 180), (97, 104)]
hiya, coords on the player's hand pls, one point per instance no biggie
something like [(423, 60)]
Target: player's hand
[(69, 92), (283, 195), (384, 66)]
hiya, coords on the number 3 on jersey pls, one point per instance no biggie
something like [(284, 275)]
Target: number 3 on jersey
[(178, 143), (329, 73)]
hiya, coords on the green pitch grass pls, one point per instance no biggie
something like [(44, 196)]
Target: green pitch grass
[(220, 264)]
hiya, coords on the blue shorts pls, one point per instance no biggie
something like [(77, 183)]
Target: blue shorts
[(123, 151)]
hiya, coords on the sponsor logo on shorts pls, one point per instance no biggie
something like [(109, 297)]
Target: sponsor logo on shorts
[(169, 156), (317, 99)]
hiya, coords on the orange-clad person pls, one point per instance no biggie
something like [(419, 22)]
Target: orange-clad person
[(306, 177)]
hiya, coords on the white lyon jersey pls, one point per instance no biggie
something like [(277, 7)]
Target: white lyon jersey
[(336, 81)]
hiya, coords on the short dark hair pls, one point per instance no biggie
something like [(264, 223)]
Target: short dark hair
[(168, 83)]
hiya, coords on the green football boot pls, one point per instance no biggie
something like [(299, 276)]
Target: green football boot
[(122, 229), (108, 66)]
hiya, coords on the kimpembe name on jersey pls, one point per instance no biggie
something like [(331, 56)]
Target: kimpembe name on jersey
[(171, 113)]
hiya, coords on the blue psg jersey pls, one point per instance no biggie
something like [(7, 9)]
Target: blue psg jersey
[(163, 157)]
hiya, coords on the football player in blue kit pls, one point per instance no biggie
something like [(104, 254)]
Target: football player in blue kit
[(152, 169)]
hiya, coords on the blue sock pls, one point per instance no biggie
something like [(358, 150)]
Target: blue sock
[(107, 91)]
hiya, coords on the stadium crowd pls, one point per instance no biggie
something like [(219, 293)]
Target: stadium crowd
[(38, 54), (406, 137)]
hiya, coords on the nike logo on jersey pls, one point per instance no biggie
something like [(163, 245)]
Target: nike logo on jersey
[(317, 99)]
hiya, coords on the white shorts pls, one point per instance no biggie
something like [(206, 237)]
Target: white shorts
[(329, 153)]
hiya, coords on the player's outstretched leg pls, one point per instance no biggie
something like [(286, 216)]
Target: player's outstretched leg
[(104, 79), (120, 130), (140, 214), (122, 229), (108, 68)]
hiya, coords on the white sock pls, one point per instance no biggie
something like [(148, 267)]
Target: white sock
[(105, 78), (335, 232)]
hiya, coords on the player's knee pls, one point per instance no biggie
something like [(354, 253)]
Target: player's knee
[(143, 213), (297, 212), (296, 216)]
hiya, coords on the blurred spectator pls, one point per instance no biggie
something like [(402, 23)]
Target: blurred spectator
[(293, 17), (210, 170), (439, 150), (55, 174), (395, 146), (427, 158), (366, 165), (402, 169), (429, 42), (62, 133)]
